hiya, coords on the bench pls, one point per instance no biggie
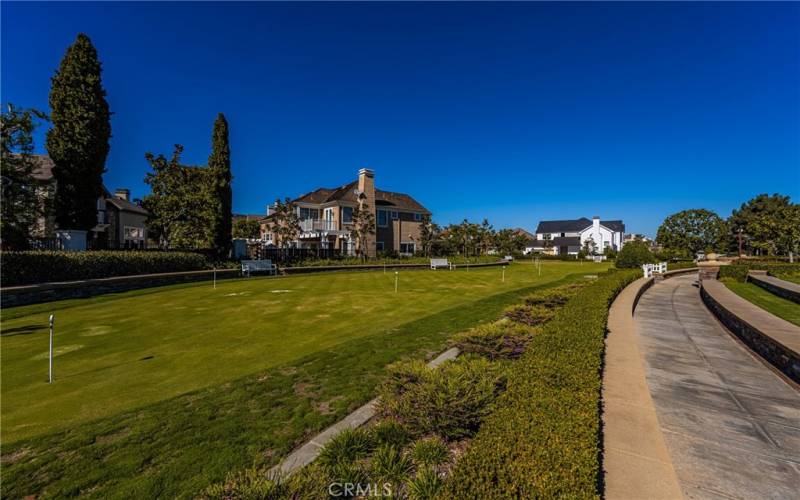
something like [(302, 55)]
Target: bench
[(437, 263), (508, 258), (258, 266)]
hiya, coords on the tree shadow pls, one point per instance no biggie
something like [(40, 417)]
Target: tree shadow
[(21, 330)]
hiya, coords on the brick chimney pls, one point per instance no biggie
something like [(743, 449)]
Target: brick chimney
[(366, 186), (123, 194)]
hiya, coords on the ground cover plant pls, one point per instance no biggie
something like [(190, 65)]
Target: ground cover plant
[(780, 270), (780, 307), (426, 418), (175, 387)]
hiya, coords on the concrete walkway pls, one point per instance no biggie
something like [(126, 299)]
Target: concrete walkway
[(731, 425)]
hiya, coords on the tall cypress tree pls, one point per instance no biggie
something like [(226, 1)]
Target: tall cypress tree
[(78, 141), (219, 166)]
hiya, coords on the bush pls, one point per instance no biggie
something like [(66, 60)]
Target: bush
[(390, 432), (502, 339), (634, 254), (425, 485), (246, 484), (346, 447), (25, 268), (541, 440), (528, 314), (739, 271), (430, 451), (450, 401), (389, 465)]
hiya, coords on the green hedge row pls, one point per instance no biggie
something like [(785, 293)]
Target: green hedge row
[(739, 271), (542, 439), (25, 268)]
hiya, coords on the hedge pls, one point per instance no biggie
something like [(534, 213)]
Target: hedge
[(542, 440), (739, 271), (25, 268)]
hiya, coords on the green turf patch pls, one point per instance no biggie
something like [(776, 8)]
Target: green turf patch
[(179, 446), (778, 306)]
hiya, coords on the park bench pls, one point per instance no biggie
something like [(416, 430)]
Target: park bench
[(437, 263), (508, 258), (652, 269), (258, 266)]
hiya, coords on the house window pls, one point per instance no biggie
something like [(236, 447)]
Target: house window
[(309, 213), (563, 234), (394, 215), (379, 246), (418, 217), (407, 248), (347, 214), (382, 219), (134, 233)]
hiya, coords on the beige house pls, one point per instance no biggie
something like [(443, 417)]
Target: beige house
[(120, 222), (326, 218)]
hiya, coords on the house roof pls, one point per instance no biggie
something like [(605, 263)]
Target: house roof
[(523, 232), (125, 206), (347, 193), (576, 225)]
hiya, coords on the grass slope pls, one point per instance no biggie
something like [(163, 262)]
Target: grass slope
[(299, 382), (778, 306)]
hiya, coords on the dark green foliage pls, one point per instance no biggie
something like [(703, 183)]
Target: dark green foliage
[(24, 268), (21, 205), (346, 447), (692, 231), (450, 401), (542, 438), (389, 464), (244, 228), (633, 255), (247, 484), (425, 485), (431, 451), (770, 225), (390, 432), (739, 271), (221, 194), (78, 141), (502, 339)]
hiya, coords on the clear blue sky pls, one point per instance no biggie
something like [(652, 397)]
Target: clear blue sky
[(516, 112)]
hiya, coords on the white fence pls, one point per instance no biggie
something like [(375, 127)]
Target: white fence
[(651, 269)]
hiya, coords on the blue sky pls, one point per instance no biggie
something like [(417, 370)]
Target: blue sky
[(516, 112)]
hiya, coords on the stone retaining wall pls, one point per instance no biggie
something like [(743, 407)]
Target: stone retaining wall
[(48, 292), (774, 286), (767, 342)]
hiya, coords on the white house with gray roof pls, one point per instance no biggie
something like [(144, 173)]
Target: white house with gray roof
[(567, 237)]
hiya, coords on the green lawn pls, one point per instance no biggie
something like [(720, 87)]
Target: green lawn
[(778, 306), (160, 392)]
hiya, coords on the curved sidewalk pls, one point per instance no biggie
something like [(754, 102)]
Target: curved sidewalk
[(731, 425)]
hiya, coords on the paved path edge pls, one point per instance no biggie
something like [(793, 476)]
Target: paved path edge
[(636, 462)]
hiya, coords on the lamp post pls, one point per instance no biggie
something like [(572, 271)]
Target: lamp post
[(396, 276), (740, 242), (52, 324), (504, 274)]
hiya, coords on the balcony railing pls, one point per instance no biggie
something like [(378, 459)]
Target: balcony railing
[(311, 225)]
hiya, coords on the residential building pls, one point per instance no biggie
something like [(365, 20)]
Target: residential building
[(326, 218), (567, 237), (120, 222)]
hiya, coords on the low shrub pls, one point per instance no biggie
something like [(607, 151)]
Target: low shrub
[(389, 464), (449, 401), (25, 268), (246, 484), (739, 271), (430, 451), (502, 339), (633, 255), (346, 447), (425, 485), (528, 314), (541, 439), (391, 433)]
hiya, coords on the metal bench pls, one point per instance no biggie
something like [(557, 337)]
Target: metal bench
[(437, 263), (258, 266)]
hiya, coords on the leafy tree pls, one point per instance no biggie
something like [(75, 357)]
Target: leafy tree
[(247, 228), (78, 141), (548, 242), (285, 222), (788, 242), (221, 194), (363, 227), (178, 202), (767, 223), (486, 236), (509, 242), (589, 247), (428, 233), (692, 230), (634, 254), (21, 204)]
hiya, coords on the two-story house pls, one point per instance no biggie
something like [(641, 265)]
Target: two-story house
[(567, 237), (326, 218)]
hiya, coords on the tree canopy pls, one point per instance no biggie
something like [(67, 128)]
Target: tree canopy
[(247, 228), (692, 231), (770, 224), (221, 194), (78, 141)]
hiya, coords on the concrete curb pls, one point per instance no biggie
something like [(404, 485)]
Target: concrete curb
[(636, 462), (309, 451), (775, 286)]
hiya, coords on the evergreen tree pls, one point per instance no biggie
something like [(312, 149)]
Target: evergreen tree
[(78, 141), (221, 195)]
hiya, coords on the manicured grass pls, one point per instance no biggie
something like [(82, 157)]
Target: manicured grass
[(778, 306), (267, 368)]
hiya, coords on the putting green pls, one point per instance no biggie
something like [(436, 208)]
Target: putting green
[(118, 352)]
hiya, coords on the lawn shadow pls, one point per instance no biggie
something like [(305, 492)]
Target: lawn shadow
[(22, 330)]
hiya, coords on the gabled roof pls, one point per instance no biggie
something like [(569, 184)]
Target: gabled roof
[(398, 200), (123, 205), (577, 225), (347, 193)]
